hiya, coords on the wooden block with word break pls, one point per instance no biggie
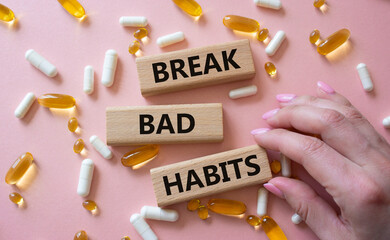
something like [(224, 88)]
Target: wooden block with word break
[(184, 123), (211, 174), (196, 67)]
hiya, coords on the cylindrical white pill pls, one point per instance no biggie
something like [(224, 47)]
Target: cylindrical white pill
[(158, 213), (133, 21), (274, 4), (170, 39), (100, 146), (41, 63), (85, 178), (88, 80), (142, 227), (243, 92), (24, 105), (386, 122), (365, 77), (262, 201), (275, 43), (109, 67), (285, 163), (296, 219)]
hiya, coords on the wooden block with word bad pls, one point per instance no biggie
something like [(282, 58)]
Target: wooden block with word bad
[(196, 67), (184, 123), (209, 175)]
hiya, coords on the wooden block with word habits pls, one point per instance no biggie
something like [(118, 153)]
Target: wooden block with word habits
[(209, 175), (196, 67), (159, 124)]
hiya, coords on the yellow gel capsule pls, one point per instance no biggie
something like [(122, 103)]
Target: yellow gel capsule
[(242, 24), (227, 207), (270, 68), (134, 47), (253, 220), (262, 34), (78, 145), (318, 3), (125, 238), (276, 167), (73, 124), (90, 205), (140, 155), (203, 213), (53, 100), (81, 235), (141, 33), (333, 41), (193, 204), (189, 6), (6, 14), (73, 7), (271, 228), (19, 168), (314, 36), (16, 198)]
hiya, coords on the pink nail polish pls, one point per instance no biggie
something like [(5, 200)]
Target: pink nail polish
[(325, 87), (259, 131), (285, 97), (272, 188), (270, 113)]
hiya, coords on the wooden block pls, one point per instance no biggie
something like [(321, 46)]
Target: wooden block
[(209, 175), (196, 67), (185, 123)]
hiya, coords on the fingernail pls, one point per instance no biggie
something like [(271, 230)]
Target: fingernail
[(325, 87), (285, 97), (272, 188), (259, 131), (270, 113)]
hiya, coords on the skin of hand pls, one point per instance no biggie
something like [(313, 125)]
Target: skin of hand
[(351, 161)]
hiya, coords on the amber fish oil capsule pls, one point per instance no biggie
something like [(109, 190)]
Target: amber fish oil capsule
[(85, 178), (142, 227), (191, 7), (109, 68), (276, 166), (262, 201), (314, 36), (140, 155), (24, 105), (333, 41), (81, 235), (253, 220), (19, 168), (170, 39), (89, 80), (134, 47), (318, 3), (386, 122), (73, 124), (274, 4), (90, 205), (193, 204), (262, 35), (226, 206), (365, 77), (125, 238), (54, 100), (141, 33), (157, 213), (100, 146), (243, 92), (41, 63), (73, 7), (16, 198), (203, 213), (270, 68), (241, 24), (272, 229), (133, 21), (6, 14), (78, 146), (275, 43)]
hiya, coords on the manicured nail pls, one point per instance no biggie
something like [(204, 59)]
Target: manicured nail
[(325, 87), (285, 97), (259, 131), (272, 188), (270, 113)]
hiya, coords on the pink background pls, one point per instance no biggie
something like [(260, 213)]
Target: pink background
[(54, 210)]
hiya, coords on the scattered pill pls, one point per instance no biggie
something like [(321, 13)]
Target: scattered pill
[(296, 219), (226, 206), (333, 41), (241, 24), (286, 165), (318, 3), (73, 124), (41, 63), (170, 39), (157, 213), (73, 7), (78, 146), (314, 36), (262, 201), (189, 6), (81, 235), (262, 34), (6, 14), (19, 168), (386, 122), (276, 166), (85, 178), (16, 198), (109, 67), (24, 105), (100, 146), (365, 77), (243, 92), (54, 100), (125, 238), (134, 47), (275, 43), (90, 205), (270, 69), (89, 80), (142, 227), (253, 220), (140, 155), (272, 229), (133, 21), (203, 212), (141, 33), (193, 204), (274, 4)]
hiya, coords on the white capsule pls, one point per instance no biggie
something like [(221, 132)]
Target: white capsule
[(109, 67), (158, 213), (41, 63), (133, 21), (275, 43), (24, 105), (243, 92), (274, 4), (170, 39), (88, 80), (142, 227), (262, 201), (386, 122), (296, 219), (85, 178), (100, 146), (285, 163), (365, 77)]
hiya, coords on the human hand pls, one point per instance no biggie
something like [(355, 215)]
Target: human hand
[(352, 162)]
